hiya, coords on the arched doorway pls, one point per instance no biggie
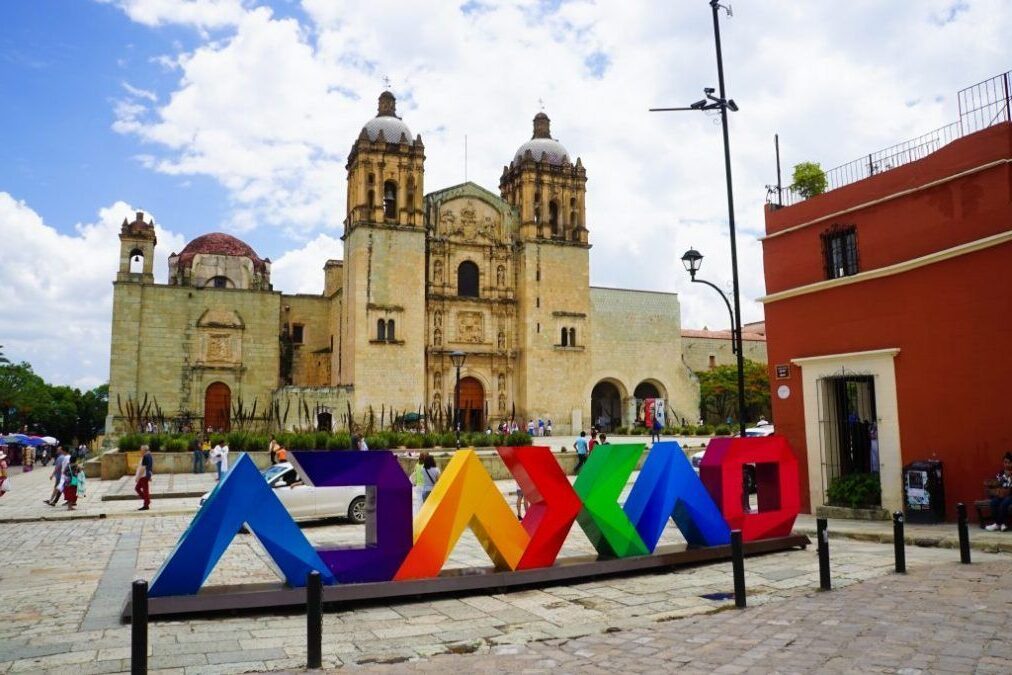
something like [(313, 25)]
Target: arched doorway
[(605, 406), (472, 404), (324, 421), (217, 406), (646, 390)]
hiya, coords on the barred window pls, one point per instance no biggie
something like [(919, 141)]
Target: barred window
[(839, 250)]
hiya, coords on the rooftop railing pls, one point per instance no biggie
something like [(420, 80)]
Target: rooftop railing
[(982, 105)]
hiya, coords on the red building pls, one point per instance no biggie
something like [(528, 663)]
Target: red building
[(889, 309)]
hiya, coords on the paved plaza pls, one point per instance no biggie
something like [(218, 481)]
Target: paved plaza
[(64, 582)]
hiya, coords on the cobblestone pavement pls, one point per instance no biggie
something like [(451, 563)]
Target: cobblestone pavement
[(943, 618), (64, 582)]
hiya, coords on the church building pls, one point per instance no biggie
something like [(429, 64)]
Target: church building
[(503, 278)]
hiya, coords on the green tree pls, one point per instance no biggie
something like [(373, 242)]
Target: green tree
[(809, 179), (718, 392), (3, 359), (64, 412)]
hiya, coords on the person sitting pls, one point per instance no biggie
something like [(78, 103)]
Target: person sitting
[(1000, 491)]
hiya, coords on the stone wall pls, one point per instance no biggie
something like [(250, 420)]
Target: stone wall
[(696, 352), (637, 338), (172, 342)]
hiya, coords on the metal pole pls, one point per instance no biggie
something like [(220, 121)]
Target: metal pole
[(314, 620), (825, 583), (780, 189), (736, 328), (738, 569), (456, 407), (898, 543), (964, 534), (1008, 112), (139, 628)]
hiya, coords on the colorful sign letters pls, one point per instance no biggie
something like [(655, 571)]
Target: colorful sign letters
[(704, 508)]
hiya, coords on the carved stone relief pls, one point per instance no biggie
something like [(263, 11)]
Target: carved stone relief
[(469, 327), (437, 381), (502, 340), (437, 337), (502, 382), (437, 272)]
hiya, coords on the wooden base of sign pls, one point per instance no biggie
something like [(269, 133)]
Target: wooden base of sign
[(276, 597)]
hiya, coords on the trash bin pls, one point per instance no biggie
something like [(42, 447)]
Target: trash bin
[(924, 492)]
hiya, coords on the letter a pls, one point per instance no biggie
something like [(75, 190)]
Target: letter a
[(464, 496), (242, 496), (667, 487)]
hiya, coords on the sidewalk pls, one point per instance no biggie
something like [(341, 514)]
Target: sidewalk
[(942, 535), (944, 618)]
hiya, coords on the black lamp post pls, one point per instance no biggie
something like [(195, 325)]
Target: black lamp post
[(457, 357), (693, 260), (723, 104)]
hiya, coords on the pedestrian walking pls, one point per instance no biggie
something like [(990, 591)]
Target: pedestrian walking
[(430, 474), (548, 428), (145, 469), (70, 485), (655, 430), (530, 427), (272, 447), (5, 481), (28, 459), (582, 450), (59, 466), (219, 455), (541, 427), (198, 456)]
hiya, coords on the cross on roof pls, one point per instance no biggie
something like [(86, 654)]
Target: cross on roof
[(541, 105), (386, 82)]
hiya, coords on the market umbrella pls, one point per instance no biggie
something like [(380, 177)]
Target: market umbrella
[(20, 439), (34, 441), (49, 440)]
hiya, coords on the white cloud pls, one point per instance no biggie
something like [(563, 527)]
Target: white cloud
[(201, 14), (270, 107), (301, 270), (56, 292)]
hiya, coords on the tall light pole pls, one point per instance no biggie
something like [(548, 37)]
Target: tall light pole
[(693, 260), (723, 104), (457, 357)]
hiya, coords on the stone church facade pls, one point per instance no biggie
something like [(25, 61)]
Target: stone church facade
[(502, 277)]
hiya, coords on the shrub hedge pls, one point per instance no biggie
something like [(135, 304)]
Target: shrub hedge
[(244, 441)]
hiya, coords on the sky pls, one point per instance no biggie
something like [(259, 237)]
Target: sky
[(237, 116)]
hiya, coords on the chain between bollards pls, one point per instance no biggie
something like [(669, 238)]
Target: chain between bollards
[(139, 628), (898, 543), (314, 620), (738, 568), (825, 583), (964, 534)]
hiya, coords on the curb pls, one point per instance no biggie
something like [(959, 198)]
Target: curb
[(154, 495), (912, 540)]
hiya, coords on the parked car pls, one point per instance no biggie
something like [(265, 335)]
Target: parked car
[(759, 430), (307, 502), (749, 472)]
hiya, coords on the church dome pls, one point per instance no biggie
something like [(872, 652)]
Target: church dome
[(219, 243), (542, 144), (386, 120)]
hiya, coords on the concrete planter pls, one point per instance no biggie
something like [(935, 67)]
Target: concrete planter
[(876, 513)]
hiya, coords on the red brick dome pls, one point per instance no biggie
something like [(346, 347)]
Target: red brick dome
[(219, 243)]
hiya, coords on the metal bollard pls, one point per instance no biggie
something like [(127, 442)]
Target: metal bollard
[(898, 544), (964, 534), (139, 628), (314, 620), (825, 583), (738, 568)]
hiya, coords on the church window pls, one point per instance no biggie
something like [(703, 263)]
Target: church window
[(390, 199), (537, 208), (297, 333), (565, 338), (390, 330), (218, 282), (553, 216), (381, 330), (372, 178), (713, 362), (467, 280), (572, 337), (371, 201)]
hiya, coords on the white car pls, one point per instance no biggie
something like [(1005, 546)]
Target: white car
[(306, 502), (759, 430)]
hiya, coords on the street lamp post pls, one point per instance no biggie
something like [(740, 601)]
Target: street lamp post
[(723, 104), (457, 357), (693, 260)]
